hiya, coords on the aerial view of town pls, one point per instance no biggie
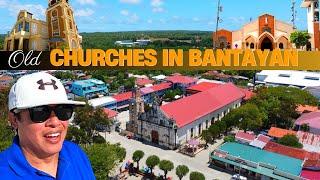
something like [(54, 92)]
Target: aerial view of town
[(178, 124)]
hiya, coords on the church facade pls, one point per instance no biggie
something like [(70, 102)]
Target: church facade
[(266, 32), (59, 31)]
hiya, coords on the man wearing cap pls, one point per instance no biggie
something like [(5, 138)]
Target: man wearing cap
[(39, 112)]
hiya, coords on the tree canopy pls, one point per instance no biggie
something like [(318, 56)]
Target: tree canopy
[(104, 157), (249, 116), (273, 100), (152, 161), (90, 120), (181, 171), (6, 132), (196, 176), (166, 166), (137, 156), (290, 140), (300, 38)]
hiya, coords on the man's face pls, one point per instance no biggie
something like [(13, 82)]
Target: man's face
[(43, 139)]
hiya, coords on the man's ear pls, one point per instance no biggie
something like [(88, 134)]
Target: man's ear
[(13, 120)]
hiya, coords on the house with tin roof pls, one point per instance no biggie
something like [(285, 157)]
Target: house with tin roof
[(279, 132), (312, 119)]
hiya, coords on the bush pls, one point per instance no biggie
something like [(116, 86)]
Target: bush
[(196, 176), (229, 138), (98, 139), (104, 158), (290, 140), (4, 145)]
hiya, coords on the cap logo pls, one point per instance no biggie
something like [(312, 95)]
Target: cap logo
[(42, 84)]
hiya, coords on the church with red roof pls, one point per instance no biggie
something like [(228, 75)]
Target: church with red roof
[(175, 123)]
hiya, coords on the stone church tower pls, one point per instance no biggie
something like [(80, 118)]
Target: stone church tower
[(62, 29)]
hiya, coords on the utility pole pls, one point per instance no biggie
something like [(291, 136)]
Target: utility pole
[(219, 9), (294, 13)]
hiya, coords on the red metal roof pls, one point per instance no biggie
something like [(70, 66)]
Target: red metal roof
[(312, 118), (306, 108), (245, 136), (143, 81), (263, 138), (181, 79), (123, 96), (191, 108), (110, 113), (279, 133), (249, 94), (203, 86), (311, 158), (161, 86), (285, 150), (310, 175)]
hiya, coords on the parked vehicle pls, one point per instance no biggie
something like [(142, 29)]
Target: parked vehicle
[(238, 177)]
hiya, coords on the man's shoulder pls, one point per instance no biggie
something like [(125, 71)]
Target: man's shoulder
[(5, 169), (4, 156), (71, 149), (77, 157)]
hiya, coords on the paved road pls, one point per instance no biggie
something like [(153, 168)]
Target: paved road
[(198, 163)]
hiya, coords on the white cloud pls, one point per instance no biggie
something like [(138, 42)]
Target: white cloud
[(3, 3), (84, 2), (157, 9), (84, 12), (156, 3), (133, 18), (163, 21), (124, 12), (195, 19), (157, 6), (130, 1), (15, 7), (150, 21)]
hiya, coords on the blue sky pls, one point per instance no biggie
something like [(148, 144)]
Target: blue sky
[(131, 15)]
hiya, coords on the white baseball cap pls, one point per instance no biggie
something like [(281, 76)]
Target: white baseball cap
[(38, 89)]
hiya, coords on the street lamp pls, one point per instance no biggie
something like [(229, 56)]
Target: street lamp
[(219, 20)]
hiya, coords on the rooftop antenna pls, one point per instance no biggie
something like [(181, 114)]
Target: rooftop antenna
[(219, 20), (294, 14)]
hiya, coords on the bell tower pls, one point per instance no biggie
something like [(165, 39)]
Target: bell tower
[(62, 29)]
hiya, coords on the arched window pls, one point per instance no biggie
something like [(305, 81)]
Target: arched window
[(55, 23), (251, 46), (281, 46)]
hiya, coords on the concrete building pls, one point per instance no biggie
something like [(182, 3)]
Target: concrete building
[(106, 101), (256, 163), (312, 7), (181, 82), (175, 123), (312, 119), (266, 32), (27, 33), (299, 79), (58, 31), (89, 88)]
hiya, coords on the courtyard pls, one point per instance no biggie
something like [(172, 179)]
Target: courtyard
[(198, 163)]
